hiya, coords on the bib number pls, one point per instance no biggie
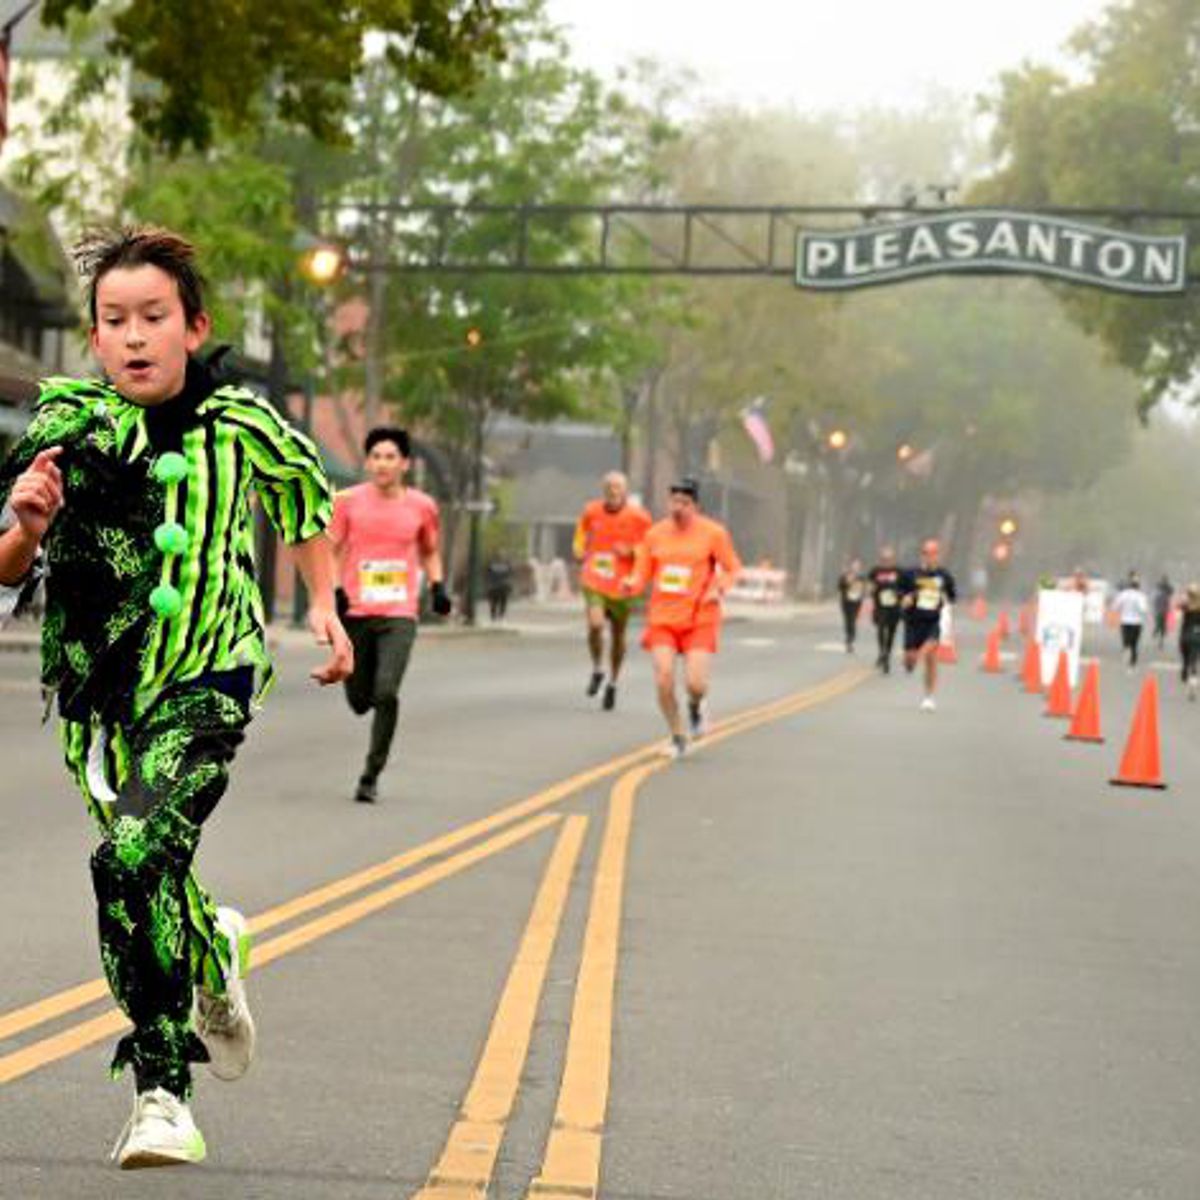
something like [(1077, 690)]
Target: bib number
[(929, 599), (887, 598), (383, 581), (604, 565), (675, 580)]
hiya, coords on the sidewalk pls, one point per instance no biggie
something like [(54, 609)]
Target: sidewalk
[(525, 618)]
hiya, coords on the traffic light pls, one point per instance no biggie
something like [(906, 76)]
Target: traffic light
[(838, 439), (1008, 527), (1001, 552), (904, 452)]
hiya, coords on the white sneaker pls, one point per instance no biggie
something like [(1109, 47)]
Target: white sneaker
[(928, 704), (697, 720), (1191, 687), (223, 1022), (161, 1133)]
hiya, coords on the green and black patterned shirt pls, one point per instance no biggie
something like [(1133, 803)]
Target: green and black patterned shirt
[(151, 580)]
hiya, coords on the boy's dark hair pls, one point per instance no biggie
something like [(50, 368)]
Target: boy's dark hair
[(102, 250), (389, 433)]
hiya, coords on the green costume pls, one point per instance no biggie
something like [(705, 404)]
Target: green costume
[(154, 643)]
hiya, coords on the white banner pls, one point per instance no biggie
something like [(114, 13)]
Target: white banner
[(1059, 627)]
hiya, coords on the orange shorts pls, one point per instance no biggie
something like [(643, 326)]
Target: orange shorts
[(692, 637)]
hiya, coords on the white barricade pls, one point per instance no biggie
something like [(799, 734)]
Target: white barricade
[(759, 585)]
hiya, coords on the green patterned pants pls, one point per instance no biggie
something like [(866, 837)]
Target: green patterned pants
[(150, 784)]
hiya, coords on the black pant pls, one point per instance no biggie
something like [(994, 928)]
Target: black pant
[(850, 611), (1130, 636), (1189, 651), (382, 646), (886, 621), (498, 603)]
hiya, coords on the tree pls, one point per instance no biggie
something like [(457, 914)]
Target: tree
[(1122, 131), (295, 59)]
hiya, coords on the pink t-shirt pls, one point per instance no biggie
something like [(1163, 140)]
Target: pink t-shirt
[(381, 540)]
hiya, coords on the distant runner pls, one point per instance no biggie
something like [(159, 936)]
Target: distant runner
[(606, 537), (925, 593), (1189, 637), (885, 605), (852, 590), (1132, 609), (690, 563), (1164, 592)]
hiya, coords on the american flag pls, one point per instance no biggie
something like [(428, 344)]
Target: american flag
[(754, 422)]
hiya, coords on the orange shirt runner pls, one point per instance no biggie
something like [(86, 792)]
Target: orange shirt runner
[(682, 566), (606, 542)]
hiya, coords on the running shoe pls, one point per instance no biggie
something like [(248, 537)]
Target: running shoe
[(928, 704), (676, 748), (594, 683), (367, 791), (160, 1133), (697, 719), (1191, 686), (610, 697), (222, 1020)]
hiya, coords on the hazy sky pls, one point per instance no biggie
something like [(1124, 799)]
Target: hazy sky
[(825, 53)]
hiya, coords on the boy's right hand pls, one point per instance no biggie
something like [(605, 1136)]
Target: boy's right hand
[(37, 494)]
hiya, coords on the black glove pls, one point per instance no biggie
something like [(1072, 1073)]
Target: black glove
[(440, 599)]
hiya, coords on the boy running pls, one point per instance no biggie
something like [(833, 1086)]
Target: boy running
[(384, 530), (608, 532), (690, 563), (924, 594), (138, 488)]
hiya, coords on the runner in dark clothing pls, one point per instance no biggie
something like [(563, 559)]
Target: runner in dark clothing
[(1189, 637), (852, 589), (885, 605)]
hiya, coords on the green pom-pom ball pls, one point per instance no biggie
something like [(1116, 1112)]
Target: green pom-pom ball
[(170, 467), (166, 601), (171, 538)]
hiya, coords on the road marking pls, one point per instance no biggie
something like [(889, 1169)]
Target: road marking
[(29, 1016), (571, 1163), (465, 1168), (571, 1166), (78, 1037), (758, 643)]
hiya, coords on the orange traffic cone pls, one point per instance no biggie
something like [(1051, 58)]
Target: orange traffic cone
[(1002, 626), (1085, 723), (1031, 668), (1025, 621), (1058, 701), (979, 609), (991, 656), (1140, 765)]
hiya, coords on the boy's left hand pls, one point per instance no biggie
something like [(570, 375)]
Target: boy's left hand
[(328, 631)]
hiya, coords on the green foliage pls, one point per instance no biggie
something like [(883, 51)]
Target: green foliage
[(238, 62), (1121, 133)]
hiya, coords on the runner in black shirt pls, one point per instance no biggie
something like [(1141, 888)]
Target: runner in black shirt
[(852, 588), (925, 592), (885, 604), (1189, 637)]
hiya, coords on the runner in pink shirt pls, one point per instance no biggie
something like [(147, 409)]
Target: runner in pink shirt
[(386, 535)]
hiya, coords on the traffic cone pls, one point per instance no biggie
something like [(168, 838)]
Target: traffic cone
[(1025, 621), (1058, 701), (1140, 765), (1002, 626), (979, 609), (991, 656), (1085, 723), (1031, 668)]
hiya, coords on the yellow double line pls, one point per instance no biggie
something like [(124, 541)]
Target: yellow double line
[(571, 1162), (508, 827)]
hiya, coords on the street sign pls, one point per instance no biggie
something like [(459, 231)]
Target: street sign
[(995, 242)]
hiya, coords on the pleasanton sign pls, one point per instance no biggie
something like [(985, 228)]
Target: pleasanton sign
[(991, 241)]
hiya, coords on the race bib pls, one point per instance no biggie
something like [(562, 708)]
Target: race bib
[(675, 580), (604, 565), (929, 599), (887, 598), (854, 592), (383, 581)]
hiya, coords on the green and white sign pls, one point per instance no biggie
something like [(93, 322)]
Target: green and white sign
[(993, 242)]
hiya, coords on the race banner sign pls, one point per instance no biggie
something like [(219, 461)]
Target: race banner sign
[(992, 241)]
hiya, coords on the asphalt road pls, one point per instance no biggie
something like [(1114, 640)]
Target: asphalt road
[(845, 950)]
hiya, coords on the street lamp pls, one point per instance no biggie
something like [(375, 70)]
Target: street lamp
[(322, 262)]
